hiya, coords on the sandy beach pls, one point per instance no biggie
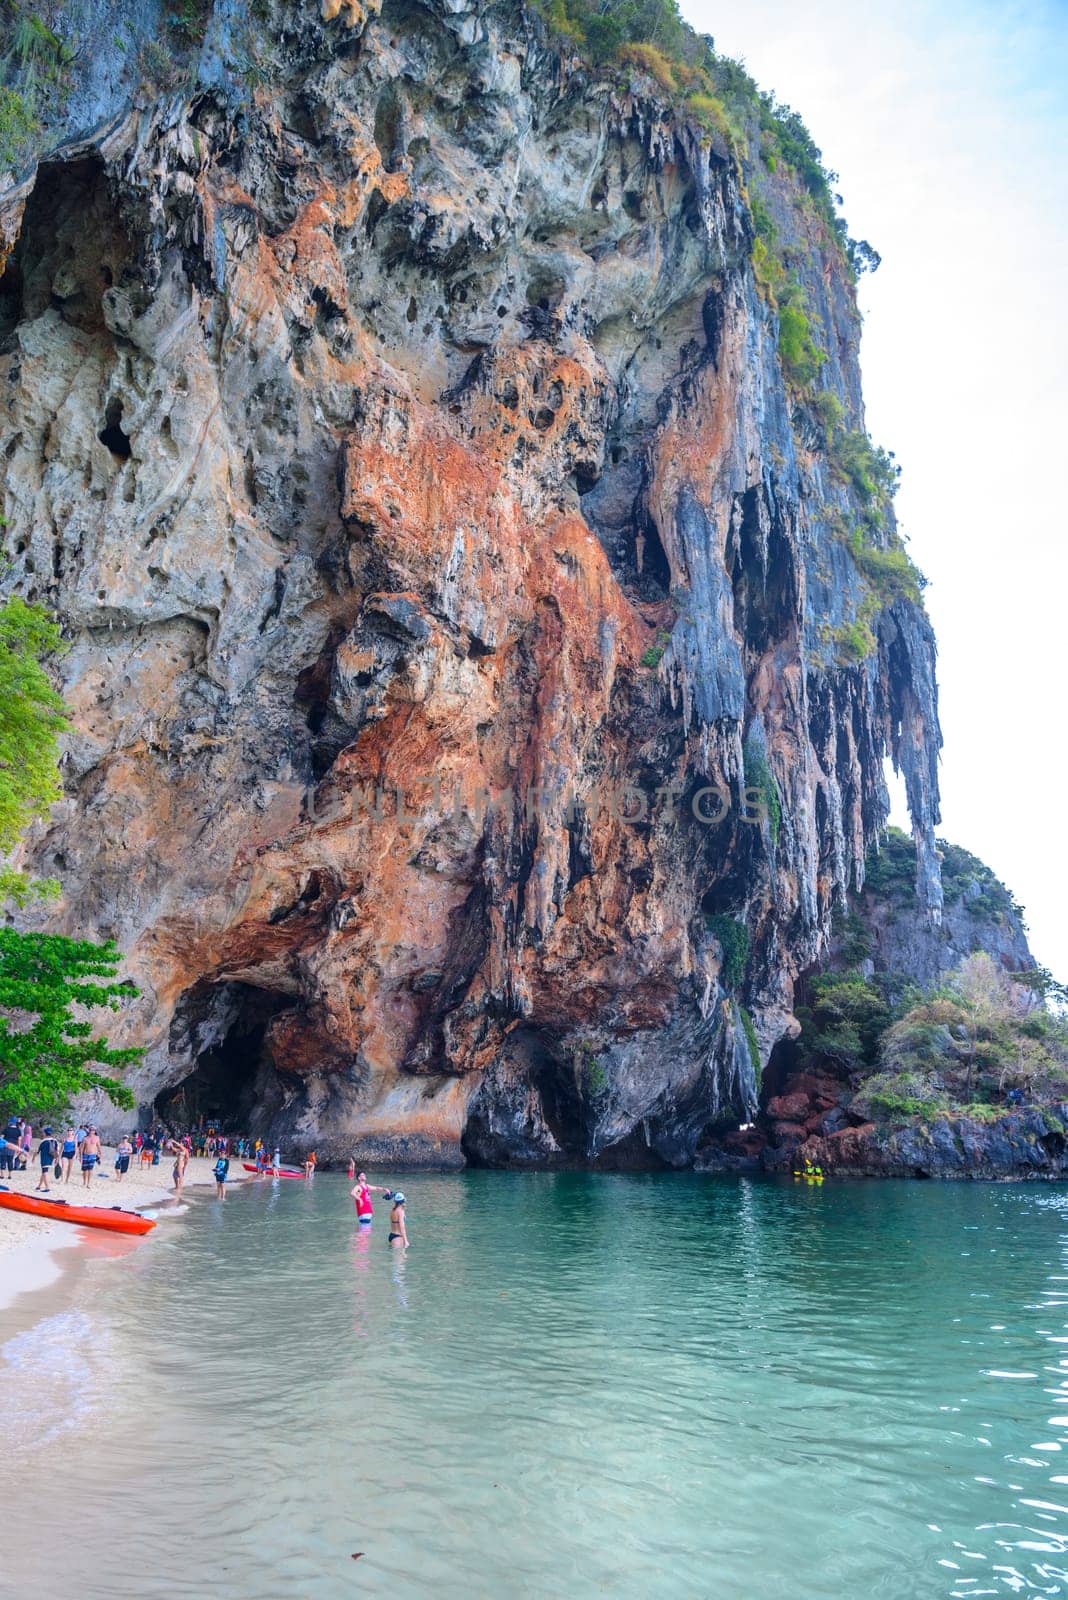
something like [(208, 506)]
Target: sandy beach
[(26, 1243)]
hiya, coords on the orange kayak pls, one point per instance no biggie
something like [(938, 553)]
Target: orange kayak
[(114, 1218)]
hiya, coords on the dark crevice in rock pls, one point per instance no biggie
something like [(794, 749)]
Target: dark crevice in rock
[(221, 1031), (112, 435)]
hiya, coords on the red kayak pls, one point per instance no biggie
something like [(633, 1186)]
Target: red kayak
[(113, 1218), (271, 1172)]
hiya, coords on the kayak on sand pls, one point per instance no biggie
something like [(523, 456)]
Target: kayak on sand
[(271, 1172), (113, 1218)]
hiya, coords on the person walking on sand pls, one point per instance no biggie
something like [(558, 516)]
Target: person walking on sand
[(123, 1152), (69, 1151), (25, 1145), (361, 1193), (46, 1154), (9, 1149), (222, 1167), (398, 1231), (90, 1156)]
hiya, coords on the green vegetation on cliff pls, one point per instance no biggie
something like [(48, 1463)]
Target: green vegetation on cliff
[(758, 776), (890, 875), (652, 37), (801, 356), (751, 1041), (733, 937), (18, 124), (34, 63), (957, 1049), (877, 549)]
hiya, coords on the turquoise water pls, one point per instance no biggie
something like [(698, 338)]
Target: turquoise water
[(573, 1385)]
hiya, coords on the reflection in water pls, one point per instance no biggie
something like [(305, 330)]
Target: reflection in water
[(361, 1262), (398, 1263), (642, 1386)]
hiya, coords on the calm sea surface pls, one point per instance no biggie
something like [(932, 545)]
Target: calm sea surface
[(572, 1386)]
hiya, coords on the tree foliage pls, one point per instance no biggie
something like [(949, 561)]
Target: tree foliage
[(48, 983), (844, 1019), (31, 719), (48, 1052)]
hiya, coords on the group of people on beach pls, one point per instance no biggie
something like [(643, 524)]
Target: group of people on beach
[(81, 1146), (55, 1157), (198, 1142)]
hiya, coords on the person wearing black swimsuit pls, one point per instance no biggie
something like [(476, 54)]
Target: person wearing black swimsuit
[(398, 1232)]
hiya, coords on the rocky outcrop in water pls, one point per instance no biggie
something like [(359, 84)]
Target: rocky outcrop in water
[(468, 755), (1025, 1144), (830, 1109)]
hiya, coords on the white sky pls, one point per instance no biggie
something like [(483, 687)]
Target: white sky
[(948, 125)]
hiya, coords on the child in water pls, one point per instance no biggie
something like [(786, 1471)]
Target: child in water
[(222, 1167)]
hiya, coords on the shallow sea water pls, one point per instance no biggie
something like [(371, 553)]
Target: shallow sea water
[(573, 1385)]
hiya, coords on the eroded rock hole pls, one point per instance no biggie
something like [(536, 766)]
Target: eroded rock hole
[(651, 558), (221, 1031), (112, 435), (545, 289), (388, 129), (70, 248)]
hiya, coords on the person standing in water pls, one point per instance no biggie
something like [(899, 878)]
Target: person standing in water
[(398, 1232), (221, 1168), (309, 1164), (361, 1193), (181, 1161)]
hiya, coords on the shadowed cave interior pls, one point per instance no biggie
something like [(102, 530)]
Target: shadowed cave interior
[(234, 1084)]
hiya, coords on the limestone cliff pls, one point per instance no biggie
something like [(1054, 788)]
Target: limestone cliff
[(853, 1095), (392, 413)]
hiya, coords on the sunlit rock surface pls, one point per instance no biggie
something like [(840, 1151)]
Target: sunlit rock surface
[(403, 443)]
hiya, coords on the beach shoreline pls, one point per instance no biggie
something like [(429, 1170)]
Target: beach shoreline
[(31, 1248)]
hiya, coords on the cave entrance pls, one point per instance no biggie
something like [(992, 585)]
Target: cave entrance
[(233, 1085), (785, 1059), (70, 250)]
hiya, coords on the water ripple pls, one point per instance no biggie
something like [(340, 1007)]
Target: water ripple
[(655, 1387)]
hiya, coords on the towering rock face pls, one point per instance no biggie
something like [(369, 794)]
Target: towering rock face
[(404, 445)]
